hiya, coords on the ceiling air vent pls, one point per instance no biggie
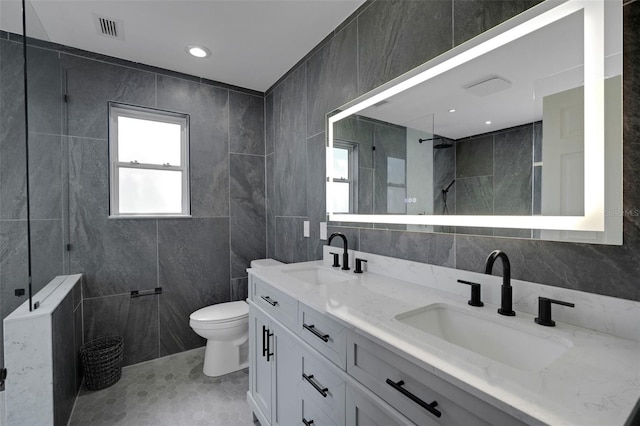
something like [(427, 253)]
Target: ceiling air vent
[(108, 27)]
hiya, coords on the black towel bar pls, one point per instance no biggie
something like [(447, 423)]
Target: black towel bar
[(140, 293)]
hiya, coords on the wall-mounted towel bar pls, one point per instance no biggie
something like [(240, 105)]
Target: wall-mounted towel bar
[(140, 293)]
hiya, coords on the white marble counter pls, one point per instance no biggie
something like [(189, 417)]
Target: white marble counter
[(595, 382)]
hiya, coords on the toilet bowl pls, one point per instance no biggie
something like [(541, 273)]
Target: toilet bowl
[(226, 328)]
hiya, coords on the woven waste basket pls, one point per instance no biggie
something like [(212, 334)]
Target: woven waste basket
[(102, 362)]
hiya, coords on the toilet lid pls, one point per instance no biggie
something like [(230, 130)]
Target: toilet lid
[(221, 312)]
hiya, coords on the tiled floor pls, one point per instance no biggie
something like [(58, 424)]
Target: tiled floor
[(168, 391)]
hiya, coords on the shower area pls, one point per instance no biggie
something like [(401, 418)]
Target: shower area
[(34, 153)]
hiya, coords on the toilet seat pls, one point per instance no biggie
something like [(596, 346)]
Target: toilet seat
[(221, 313)]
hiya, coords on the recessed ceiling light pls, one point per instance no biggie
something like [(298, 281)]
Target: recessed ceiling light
[(487, 122), (452, 110), (198, 51)]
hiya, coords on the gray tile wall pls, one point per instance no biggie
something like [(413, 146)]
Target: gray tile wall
[(197, 261), (393, 37)]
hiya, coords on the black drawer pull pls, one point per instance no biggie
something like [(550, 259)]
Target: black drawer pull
[(269, 301), (269, 353), (323, 391), (429, 407), (307, 422), (265, 349), (311, 328)]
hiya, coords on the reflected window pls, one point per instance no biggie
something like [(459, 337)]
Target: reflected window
[(396, 185), (344, 188), (149, 162)]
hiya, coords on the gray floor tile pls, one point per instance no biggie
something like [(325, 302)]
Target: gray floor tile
[(168, 391)]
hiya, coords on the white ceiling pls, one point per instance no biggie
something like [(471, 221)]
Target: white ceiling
[(254, 43)]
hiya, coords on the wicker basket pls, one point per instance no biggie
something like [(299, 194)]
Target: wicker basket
[(102, 362)]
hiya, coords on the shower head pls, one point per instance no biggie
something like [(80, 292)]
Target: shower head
[(441, 145)]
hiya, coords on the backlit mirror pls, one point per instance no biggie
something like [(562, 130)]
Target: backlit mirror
[(494, 137)]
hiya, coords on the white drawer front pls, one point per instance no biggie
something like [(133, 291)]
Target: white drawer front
[(313, 415), (362, 410), (325, 335), (322, 386), (409, 389), (279, 305)]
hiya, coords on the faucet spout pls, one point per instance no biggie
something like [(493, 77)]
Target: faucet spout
[(345, 254), (506, 305)]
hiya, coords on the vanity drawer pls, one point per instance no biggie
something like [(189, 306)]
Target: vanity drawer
[(279, 305), (324, 334), (313, 415), (323, 386), (409, 388), (365, 409)]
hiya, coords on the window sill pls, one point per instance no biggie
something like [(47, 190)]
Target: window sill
[(151, 216)]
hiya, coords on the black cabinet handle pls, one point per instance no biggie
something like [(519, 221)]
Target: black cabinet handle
[(307, 422), (323, 391), (312, 329), (265, 350), (269, 353), (429, 407), (269, 301)]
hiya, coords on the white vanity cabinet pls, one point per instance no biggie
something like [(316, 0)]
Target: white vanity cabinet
[(307, 368), (275, 368)]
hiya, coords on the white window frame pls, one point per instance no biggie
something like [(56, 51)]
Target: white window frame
[(122, 110), (352, 153)]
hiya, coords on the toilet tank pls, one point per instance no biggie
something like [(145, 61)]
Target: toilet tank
[(260, 263)]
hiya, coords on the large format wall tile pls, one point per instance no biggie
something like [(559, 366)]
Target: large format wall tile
[(239, 289), (472, 17), (135, 320), (45, 95), (248, 216), (271, 205), (14, 271), (117, 255), (474, 157), (290, 244), (208, 111), (585, 267), (437, 249), (193, 256), (12, 133), (46, 252), (289, 109), (246, 123), (395, 36), (45, 176), (332, 79), (87, 109), (316, 199), (269, 123)]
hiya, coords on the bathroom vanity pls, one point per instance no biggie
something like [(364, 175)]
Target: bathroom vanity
[(399, 344)]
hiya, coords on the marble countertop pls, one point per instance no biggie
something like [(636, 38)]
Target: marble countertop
[(595, 382)]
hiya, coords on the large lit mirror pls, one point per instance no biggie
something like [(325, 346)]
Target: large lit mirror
[(494, 137)]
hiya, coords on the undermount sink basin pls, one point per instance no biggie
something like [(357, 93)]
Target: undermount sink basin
[(318, 275), (514, 346)]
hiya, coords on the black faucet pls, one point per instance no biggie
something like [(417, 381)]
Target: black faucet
[(345, 255), (506, 304)]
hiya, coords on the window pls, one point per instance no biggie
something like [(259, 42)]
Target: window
[(149, 162), (344, 187)]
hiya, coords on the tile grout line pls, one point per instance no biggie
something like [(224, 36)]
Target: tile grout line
[(158, 278), (230, 284)]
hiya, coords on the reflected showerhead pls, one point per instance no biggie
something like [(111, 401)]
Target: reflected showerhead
[(441, 145)]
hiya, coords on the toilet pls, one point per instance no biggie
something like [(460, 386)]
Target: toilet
[(226, 328)]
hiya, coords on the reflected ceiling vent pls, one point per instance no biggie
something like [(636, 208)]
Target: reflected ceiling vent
[(108, 27), (489, 85)]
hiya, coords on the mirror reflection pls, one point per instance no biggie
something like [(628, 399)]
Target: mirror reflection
[(502, 134)]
